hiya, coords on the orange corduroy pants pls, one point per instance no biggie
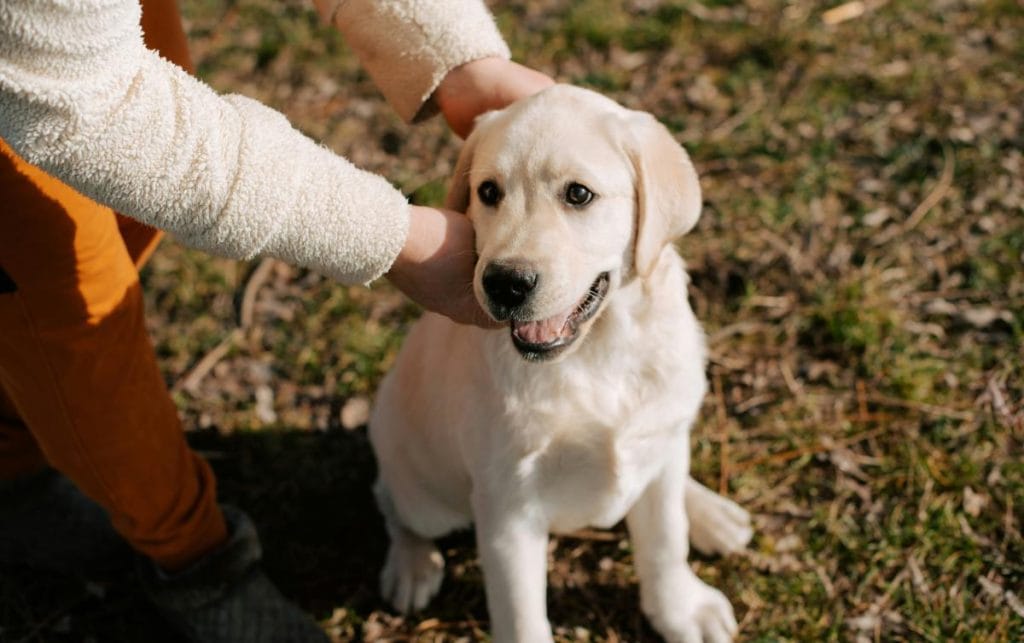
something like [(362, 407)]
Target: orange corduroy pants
[(80, 389)]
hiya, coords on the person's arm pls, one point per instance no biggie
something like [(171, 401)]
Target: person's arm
[(81, 97), (409, 46)]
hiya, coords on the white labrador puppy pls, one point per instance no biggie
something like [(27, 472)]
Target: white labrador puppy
[(579, 412)]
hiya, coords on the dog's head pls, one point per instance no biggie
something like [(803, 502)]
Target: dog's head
[(570, 195)]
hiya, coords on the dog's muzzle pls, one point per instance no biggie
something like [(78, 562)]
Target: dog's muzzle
[(545, 338)]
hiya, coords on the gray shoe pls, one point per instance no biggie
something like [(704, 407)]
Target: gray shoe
[(226, 597), (47, 524)]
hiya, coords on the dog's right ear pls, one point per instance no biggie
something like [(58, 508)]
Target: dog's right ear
[(458, 192)]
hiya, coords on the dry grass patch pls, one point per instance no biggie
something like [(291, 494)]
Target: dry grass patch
[(858, 268)]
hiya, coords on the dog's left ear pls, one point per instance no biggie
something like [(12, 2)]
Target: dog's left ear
[(667, 191), (458, 190)]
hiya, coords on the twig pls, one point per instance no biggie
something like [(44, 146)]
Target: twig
[(862, 401), (937, 194), (797, 261), (729, 125), (999, 405), (252, 287), (795, 389), (738, 328), (191, 380), (793, 454), (954, 293), (927, 409), (894, 584), (754, 402)]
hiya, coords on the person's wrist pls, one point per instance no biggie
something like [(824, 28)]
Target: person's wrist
[(467, 79), (415, 250), (425, 236)]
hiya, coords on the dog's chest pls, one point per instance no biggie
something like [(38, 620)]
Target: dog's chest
[(590, 447), (593, 480)]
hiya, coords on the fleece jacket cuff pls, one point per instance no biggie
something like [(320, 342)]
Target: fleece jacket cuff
[(409, 46)]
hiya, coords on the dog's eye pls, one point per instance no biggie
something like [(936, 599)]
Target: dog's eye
[(578, 194), (489, 193)]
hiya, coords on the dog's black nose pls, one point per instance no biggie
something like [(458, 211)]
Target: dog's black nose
[(508, 285)]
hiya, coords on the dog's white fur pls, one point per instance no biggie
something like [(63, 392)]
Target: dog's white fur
[(467, 430)]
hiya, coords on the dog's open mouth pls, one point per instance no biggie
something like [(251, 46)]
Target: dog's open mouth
[(545, 338)]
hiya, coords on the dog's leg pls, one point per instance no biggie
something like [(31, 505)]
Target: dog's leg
[(414, 567), (717, 525), (513, 554), (683, 608)]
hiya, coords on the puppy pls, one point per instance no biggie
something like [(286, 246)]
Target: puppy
[(579, 411)]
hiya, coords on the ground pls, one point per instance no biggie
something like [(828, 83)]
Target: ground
[(858, 268)]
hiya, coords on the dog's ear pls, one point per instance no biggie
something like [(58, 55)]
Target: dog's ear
[(667, 191), (458, 191)]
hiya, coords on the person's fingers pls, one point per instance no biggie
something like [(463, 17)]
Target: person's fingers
[(523, 82), (435, 267), (470, 313), (483, 85), (456, 262)]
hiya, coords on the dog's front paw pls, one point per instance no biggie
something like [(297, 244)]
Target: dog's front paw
[(692, 612), (717, 525), (412, 573)]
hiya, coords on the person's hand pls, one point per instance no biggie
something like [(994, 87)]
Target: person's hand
[(435, 267), (482, 85)]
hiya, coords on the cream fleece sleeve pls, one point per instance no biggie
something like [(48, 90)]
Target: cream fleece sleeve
[(408, 46), (81, 97)]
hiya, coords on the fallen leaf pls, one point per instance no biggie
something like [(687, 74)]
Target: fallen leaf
[(844, 12), (974, 502), (355, 412)]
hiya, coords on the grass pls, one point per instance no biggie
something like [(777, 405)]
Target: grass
[(858, 268)]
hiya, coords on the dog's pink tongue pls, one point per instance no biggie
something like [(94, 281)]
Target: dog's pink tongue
[(543, 331)]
